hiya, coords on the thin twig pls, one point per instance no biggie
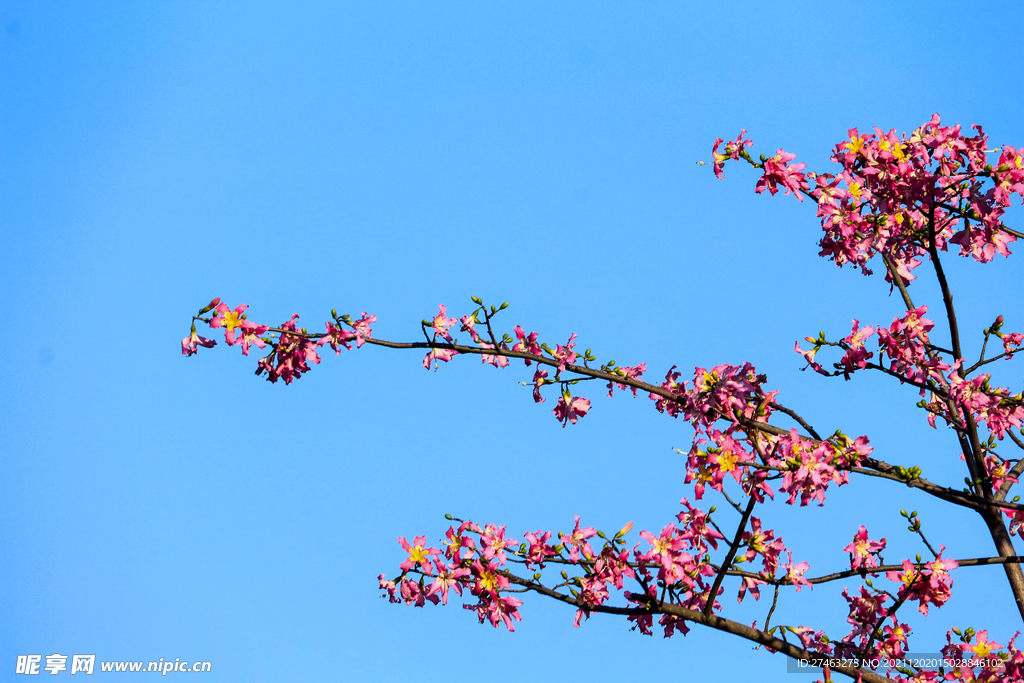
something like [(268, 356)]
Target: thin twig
[(733, 547)]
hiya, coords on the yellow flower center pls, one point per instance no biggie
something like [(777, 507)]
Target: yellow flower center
[(727, 461), (488, 580), (232, 320)]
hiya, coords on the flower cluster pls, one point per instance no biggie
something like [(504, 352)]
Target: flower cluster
[(675, 567), (908, 353), (902, 196), (928, 585), (806, 467)]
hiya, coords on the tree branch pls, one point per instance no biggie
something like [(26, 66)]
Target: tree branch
[(733, 547), (655, 606)]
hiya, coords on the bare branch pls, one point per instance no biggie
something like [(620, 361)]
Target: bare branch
[(733, 547)]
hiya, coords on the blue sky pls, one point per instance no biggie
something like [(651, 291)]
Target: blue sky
[(388, 158)]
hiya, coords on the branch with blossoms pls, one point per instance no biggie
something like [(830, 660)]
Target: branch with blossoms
[(905, 199), (730, 395), (671, 579)]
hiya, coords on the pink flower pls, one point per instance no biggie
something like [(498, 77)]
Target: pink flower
[(626, 371), (593, 592), (565, 355), (293, 353), (190, 344), (762, 543), (447, 578), (362, 328), (493, 543), (435, 355), (469, 325), (413, 594), (488, 580), (337, 336), (493, 358), (228, 319), (669, 405), (809, 356), (795, 573), (856, 355), (863, 552), (497, 610), (732, 151), (778, 172), (455, 543), (538, 550), (983, 649), (751, 584), (440, 323), (419, 554), (570, 409), (389, 586), (697, 532), (894, 640), (1012, 342), (865, 611), (539, 380), (931, 584), (527, 343), (1016, 520), (251, 333), (577, 541), (667, 551)]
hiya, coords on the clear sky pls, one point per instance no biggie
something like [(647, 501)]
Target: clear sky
[(388, 157)]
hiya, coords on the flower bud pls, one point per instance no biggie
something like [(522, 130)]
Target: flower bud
[(209, 307)]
